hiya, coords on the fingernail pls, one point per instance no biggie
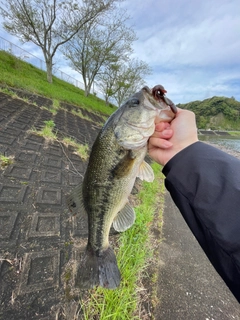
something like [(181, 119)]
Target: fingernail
[(167, 144), (166, 133)]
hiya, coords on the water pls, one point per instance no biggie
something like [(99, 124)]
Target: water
[(228, 142)]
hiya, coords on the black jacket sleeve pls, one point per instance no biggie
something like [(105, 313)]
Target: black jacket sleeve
[(204, 183)]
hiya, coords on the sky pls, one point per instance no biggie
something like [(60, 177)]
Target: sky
[(192, 47)]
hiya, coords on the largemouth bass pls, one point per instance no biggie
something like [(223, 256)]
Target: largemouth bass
[(116, 160)]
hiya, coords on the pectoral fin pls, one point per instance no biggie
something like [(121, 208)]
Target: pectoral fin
[(145, 172), (75, 200), (125, 219)]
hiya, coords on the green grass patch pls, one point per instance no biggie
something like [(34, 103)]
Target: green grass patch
[(133, 255), (5, 161), (47, 130), (80, 115), (234, 133), (55, 107), (81, 149), (20, 74)]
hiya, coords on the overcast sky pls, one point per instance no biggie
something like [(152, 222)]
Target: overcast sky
[(193, 47)]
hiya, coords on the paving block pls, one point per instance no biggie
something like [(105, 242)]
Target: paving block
[(45, 225), (40, 271)]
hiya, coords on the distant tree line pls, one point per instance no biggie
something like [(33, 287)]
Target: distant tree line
[(228, 109), (93, 36)]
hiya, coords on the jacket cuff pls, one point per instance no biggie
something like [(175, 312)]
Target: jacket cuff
[(179, 157)]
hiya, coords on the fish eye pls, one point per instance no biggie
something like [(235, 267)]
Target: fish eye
[(134, 103)]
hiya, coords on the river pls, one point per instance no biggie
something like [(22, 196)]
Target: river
[(224, 142)]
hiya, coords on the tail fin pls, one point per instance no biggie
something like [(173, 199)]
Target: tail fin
[(98, 269)]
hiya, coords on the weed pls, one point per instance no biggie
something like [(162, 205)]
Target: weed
[(55, 107), (81, 149), (47, 130), (9, 92), (5, 161), (80, 115)]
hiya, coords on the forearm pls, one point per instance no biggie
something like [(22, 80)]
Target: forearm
[(205, 185)]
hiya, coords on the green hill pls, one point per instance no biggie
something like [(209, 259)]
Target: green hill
[(216, 113), (19, 74)]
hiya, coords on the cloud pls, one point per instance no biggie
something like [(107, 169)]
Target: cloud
[(192, 47)]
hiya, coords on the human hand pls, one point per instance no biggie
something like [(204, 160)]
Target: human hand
[(170, 138)]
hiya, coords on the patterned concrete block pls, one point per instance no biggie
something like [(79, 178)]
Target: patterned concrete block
[(17, 171), (80, 225), (54, 162), (48, 196), (74, 179), (30, 145), (19, 125), (45, 225), (40, 271), (26, 156), (54, 150), (51, 176), (12, 194), (6, 139), (37, 233), (7, 224)]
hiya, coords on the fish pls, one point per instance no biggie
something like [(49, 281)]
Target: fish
[(116, 160)]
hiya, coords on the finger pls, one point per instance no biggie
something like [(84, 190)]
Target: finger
[(165, 134), (162, 126), (159, 143)]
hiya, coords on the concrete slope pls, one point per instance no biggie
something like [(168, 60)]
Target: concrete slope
[(37, 233)]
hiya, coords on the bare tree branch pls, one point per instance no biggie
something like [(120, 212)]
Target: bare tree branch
[(100, 42), (50, 23)]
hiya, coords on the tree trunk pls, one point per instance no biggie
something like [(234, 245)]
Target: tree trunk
[(106, 100), (87, 88), (49, 70)]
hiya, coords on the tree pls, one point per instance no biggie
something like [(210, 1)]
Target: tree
[(108, 79), (100, 42), (121, 80), (50, 23)]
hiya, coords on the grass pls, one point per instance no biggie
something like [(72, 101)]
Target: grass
[(81, 149), (20, 74), (133, 255), (55, 107), (80, 115), (5, 161), (47, 130), (234, 133)]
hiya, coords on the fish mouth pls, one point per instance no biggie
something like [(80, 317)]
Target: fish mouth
[(158, 93)]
